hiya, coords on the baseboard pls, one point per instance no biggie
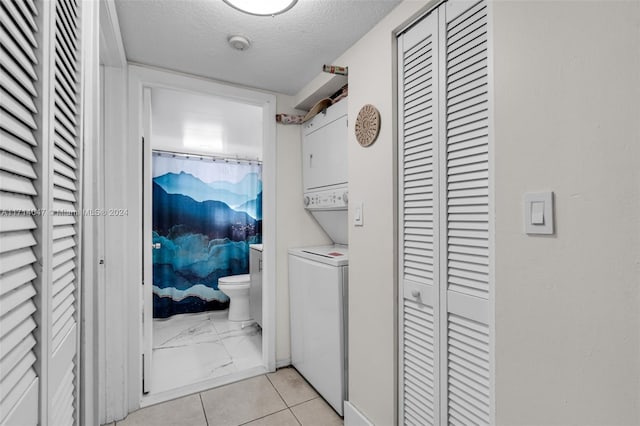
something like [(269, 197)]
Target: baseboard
[(283, 362), (353, 417)]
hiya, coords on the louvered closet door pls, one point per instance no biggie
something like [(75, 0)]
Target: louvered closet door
[(63, 193), (466, 208), (418, 124), (18, 76), (445, 364)]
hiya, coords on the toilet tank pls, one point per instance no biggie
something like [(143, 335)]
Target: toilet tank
[(255, 290)]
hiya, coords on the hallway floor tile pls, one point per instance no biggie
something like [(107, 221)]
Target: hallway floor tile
[(283, 398)]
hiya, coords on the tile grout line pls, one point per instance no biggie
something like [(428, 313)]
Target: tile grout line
[(267, 415), (285, 402), (203, 409), (299, 403), (277, 391), (295, 417), (308, 400), (308, 384)]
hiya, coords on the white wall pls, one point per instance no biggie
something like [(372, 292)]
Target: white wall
[(296, 227), (567, 119), (372, 254)]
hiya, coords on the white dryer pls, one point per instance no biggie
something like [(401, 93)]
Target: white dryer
[(318, 275), (318, 296)]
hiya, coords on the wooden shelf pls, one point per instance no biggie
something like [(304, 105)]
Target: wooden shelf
[(323, 86)]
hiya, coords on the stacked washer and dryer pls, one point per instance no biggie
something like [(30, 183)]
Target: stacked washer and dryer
[(318, 275)]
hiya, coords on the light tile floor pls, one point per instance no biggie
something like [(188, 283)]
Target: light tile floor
[(191, 348), (283, 398)]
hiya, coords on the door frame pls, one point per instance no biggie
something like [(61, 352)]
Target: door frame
[(140, 78), (113, 395)]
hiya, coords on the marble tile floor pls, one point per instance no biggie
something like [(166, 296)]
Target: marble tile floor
[(283, 398), (191, 348)]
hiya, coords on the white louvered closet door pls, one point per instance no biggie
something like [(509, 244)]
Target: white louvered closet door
[(63, 192), (467, 238), (418, 250), (40, 165), (18, 77), (458, 318)]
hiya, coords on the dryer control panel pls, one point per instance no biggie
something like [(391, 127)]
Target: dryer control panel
[(328, 199)]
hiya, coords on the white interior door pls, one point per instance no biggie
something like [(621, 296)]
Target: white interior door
[(63, 227), (147, 255), (18, 164), (444, 212), (419, 247), (40, 168), (466, 283)]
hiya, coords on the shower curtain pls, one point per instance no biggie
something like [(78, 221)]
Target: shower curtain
[(206, 212)]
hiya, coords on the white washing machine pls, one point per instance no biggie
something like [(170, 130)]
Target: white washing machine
[(318, 278)]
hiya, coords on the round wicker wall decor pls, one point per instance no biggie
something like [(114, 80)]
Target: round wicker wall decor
[(367, 125)]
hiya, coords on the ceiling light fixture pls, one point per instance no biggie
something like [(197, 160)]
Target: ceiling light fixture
[(262, 7)]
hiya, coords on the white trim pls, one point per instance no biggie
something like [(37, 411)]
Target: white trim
[(417, 17), (111, 47), (112, 325), (353, 416), (285, 362), (147, 240), (90, 227), (492, 218), (399, 197), (440, 184), (269, 234), (139, 78), (133, 267), (43, 232)]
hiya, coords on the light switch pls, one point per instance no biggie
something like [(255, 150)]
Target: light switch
[(358, 218), (538, 213)]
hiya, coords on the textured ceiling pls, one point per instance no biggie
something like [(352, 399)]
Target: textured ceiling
[(287, 51)]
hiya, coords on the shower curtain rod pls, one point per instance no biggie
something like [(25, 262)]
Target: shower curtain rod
[(213, 158)]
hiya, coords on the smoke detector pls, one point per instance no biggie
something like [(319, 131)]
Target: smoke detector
[(239, 42)]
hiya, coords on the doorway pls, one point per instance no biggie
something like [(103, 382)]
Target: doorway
[(206, 218), (186, 349)]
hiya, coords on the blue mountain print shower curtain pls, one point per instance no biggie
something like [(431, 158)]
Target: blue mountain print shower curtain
[(205, 215)]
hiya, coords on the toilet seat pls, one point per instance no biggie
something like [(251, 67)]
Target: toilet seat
[(238, 281)]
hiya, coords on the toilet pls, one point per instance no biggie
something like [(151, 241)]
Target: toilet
[(237, 288)]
